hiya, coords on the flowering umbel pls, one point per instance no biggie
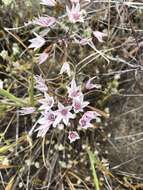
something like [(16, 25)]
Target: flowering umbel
[(55, 114), (71, 111)]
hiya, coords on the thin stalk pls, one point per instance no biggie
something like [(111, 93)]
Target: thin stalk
[(93, 161), (31, 86)]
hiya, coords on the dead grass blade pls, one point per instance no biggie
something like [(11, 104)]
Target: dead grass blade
[(71, 186), (10, 184)]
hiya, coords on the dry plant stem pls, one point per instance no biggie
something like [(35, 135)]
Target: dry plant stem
[(17, 131), (7, 127), (46, 163), (15, 79), (53, 164), (98, 111), (107, 182), (71, 186), (78, 178), (2, 180), (31, 86), (16, 37), (124, 163), (109, 7), (128, 136)]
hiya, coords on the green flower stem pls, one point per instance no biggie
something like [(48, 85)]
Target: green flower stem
[(93, 161)]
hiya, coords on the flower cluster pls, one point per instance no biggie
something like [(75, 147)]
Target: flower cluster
[(74, 13), (54, 113), (73, 108)]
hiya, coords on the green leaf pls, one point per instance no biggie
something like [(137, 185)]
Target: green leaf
[(11, 97)]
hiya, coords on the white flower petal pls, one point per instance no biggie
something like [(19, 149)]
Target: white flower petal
[(99, 35), (57, 120), (43, 57), (37, 42), (27, 110), (73, 136), (65, 69)]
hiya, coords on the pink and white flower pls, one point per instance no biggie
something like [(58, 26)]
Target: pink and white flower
[(86, 119), (40, 84), (89, 85), (73, 136), (65, 69), (45, 123), (99, 35), (75, 14), (63, 114), (84, 41), (74, 91), (42, 130), (37, 42), (79, 104), (27, 110), (85, 124), (47, 102), (43, 57), (91, 115), (45, 21), (50, 3)]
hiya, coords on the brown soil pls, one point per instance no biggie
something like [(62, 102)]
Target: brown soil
[(125, 146)]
